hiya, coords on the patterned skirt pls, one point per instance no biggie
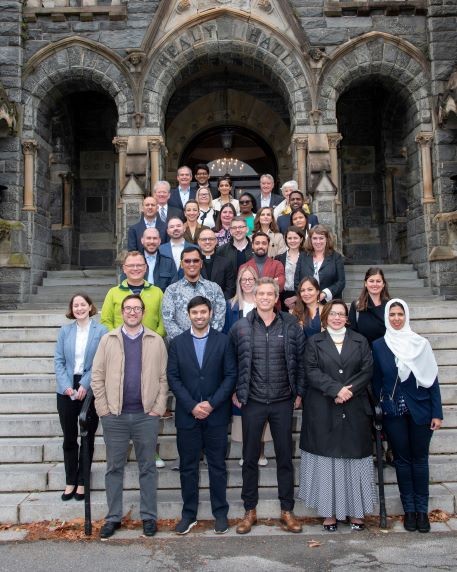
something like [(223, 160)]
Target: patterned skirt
[(337, 487)]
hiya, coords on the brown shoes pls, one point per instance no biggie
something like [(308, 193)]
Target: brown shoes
[(249, 519), (289, 522)]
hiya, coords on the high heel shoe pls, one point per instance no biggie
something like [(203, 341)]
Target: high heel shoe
[(68, 496), (332, 527), (79, 496)]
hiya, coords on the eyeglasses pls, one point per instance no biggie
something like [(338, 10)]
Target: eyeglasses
[(238, 227), (132, 309), (247, 280), (191, 260), (134, 266), (336, 314), (245, 202)]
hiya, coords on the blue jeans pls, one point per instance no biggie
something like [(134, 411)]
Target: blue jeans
[(410, 445)]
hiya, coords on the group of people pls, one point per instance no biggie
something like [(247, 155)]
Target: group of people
[(247, 328)]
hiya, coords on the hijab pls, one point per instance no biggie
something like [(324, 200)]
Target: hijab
[(412, 352)]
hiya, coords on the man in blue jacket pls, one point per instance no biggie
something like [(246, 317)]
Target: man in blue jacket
[(201, 374)]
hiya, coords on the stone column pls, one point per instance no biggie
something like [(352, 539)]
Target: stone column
[(301, 145), (424, 140), (29, 149), (121, 147), (66, 203), (333, 141), (154, 146)]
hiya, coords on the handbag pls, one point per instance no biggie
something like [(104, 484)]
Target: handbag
[(391, 405)]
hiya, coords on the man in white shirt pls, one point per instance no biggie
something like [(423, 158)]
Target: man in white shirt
[(266, 197), (183, 192)]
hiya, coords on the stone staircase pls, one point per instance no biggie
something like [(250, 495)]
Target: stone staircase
[(31, 468)]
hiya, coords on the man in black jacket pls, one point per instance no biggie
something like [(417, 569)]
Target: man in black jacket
[(269, 347), (239, 250), (215, 267)]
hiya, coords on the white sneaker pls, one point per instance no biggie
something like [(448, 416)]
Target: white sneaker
[(240, 462), (263, 462), (160, 464)]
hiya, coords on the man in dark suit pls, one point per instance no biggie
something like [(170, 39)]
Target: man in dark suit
[(161, 270), (296, 201), (266, 197), (201, 374), (201, 176), (215, 267), (183, 192), (150, 219), (161, 192)]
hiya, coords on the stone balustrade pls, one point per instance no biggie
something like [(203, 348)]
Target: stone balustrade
[(58, 10)]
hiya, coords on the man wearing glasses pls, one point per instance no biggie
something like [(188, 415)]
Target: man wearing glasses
[(215, 267), (238, 250), (134, 268), (129, 381), (178, 295)]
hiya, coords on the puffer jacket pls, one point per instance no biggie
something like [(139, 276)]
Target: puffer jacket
[(241, 336)]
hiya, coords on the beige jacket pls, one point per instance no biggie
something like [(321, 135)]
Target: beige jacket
[(108, 373)]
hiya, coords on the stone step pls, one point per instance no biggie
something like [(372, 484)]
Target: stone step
[(19, 508), (33, 365), (81, 273), (64, 293), (407, 293), (24, 319), (38, 383), (441, 327), (25, 335), (22, 350), (75, 282), (387, 268), (446, 357)]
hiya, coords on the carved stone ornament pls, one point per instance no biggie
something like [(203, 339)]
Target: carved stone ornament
[(447, 104), (182, 6), (265, 5), (8, 115), (135, 60), (316, 54)]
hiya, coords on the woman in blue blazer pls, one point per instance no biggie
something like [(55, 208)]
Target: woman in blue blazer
[(405, 380), (75, 350)]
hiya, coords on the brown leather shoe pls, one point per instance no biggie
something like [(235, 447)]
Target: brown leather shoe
[(289, 522), (249, 519)]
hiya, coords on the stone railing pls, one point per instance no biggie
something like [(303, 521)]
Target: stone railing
[(58, 10)]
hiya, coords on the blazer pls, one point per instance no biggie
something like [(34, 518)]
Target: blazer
[(175, 198), (423, 404), (331, 272), (165, 272), (274, 200), (328, 429), (165, 250), (135, 234), (222, 273), (283, 222), (64, 357), (191, 384), (194, 239)]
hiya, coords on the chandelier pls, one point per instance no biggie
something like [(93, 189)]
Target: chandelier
[(227, 165)]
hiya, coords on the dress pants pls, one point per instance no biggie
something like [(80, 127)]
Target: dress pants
[(410, 445), (118, 430), (69, 421), (191, 443), (279, 416)]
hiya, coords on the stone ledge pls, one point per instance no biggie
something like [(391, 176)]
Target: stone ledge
[(85, 13), (334, 8)]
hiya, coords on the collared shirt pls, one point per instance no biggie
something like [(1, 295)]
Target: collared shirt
[(150, 224), (265, 202), (151, 260), (133, 336), (178, 295), (199, 345), (82, 335), (176, 250), (184, 194)]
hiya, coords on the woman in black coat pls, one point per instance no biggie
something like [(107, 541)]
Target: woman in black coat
[(336, 471), (322, 262)]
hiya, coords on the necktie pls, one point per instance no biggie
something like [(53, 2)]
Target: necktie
[(162, 214)]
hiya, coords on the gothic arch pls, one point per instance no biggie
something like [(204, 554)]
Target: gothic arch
[(245, 111), (78, 61), (226, 40), (376, 54)]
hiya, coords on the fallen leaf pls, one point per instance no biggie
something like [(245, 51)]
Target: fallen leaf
[(313, 544)]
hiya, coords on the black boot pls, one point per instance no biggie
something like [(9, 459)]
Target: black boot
[(410, 521), (423, 523)]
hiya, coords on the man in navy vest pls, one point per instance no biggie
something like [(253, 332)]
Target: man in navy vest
[(202, 374)]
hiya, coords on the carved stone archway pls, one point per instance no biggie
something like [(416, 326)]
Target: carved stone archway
[(244, 111)]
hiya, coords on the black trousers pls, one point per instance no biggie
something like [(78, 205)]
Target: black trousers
[(279, 416), (68, 415), (191, 443)]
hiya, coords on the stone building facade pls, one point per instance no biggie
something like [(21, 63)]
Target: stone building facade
[(357, 100)]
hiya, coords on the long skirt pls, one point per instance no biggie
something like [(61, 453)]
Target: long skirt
[(337, 487)]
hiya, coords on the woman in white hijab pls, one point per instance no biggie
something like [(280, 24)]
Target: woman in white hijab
[(406, 383)]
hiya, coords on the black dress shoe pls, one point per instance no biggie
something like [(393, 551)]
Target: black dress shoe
[(79, 496), (108, 529), (149, 527), (410, 521), (68, 496), (423, 523)]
